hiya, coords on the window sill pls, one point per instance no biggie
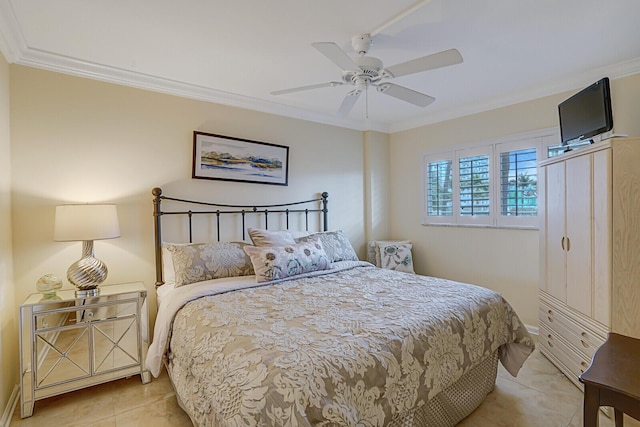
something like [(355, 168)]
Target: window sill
[(506, 227)]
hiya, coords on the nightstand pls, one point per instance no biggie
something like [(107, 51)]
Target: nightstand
[(68, 343)]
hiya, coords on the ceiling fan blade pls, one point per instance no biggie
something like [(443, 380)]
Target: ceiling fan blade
[(301, 88), (405, 94), (337, 55), (348, 102), (425, 63)]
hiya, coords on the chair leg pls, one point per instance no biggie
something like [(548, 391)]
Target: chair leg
[(591, 406), (619, 417)]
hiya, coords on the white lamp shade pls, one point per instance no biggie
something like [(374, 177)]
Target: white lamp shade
[(86, 222)]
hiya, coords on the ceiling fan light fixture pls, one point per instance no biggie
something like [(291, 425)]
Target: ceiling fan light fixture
[(361, 43)]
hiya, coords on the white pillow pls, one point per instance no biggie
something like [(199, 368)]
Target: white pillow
[(262, 237), (168, 272)]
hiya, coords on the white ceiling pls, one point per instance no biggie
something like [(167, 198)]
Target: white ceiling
[(237, 52)]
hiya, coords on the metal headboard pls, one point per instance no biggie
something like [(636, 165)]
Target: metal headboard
[(224, 209)]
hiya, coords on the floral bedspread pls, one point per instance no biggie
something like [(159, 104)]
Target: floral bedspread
[(360, 346)]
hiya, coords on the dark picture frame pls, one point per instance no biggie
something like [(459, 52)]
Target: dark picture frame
[(226, 158)]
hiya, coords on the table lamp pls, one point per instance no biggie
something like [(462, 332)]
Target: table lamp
[(86, 223)]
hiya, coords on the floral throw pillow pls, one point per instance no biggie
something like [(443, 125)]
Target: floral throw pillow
[(261, 237), (376, 249), (336, 245), (394, 256), (205, 261), (278, 262)]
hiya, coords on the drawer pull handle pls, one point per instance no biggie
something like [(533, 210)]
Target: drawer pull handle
[(582, 371), (550, 311), (550, 344), (549, 336), (550, 319), (584, 344), (584, 364), (584, 334)]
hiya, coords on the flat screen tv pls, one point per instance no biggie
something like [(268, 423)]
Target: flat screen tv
[(587, 113)]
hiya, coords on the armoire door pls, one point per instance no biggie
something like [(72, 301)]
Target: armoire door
[(578, 186), (555, 231)]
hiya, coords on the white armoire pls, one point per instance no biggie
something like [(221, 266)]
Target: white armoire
[(589, 202)]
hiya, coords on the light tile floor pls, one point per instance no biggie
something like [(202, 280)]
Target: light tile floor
[(540, 396)]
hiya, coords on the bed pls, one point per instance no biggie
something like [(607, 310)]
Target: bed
[(326, 340)]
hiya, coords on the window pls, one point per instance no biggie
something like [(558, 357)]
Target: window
[(495, 184), (518, 183), (473, 173), (439, 201)]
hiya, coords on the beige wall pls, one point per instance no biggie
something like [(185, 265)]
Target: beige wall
[(377, 209), (9, 366), (79, 140), (503, 260)]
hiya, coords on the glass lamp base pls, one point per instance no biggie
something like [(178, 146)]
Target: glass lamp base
[(86, 293), (87, 273)]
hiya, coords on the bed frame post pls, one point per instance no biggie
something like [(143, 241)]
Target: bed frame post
[(325, 211), (157, 196)]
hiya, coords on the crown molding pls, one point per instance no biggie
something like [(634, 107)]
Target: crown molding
[(67, 65), (615, 71), (53, 62), (16, 50)]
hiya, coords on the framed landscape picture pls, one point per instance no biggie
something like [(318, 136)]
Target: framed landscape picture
[(234, 159)]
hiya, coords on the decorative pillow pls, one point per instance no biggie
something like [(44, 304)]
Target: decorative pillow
[(261, 237), (395, 256), (299, 234), (378, 243), (204, 261), (335, 244), (278, 262), (371, 252)]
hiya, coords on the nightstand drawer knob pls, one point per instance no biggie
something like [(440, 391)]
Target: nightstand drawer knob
[(90, 315)]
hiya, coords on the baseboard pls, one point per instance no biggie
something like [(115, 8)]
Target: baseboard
[(11, 406)]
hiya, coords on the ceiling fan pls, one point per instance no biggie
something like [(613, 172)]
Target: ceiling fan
[(364, 71)]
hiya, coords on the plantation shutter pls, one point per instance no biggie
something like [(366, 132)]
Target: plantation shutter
[(440, 188), (474, 186), (519, 183)]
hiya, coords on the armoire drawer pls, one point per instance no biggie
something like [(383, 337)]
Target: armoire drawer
[(572, 329), (577, 363)]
